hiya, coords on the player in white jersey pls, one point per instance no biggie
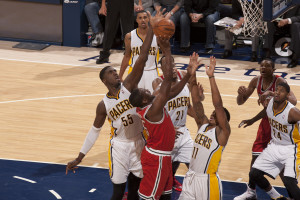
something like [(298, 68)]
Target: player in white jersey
[(133, 43), (126, 141), (178, 108), (283, 152), (202, 180)]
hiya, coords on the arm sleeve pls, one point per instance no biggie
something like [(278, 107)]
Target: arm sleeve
[(90, 140)]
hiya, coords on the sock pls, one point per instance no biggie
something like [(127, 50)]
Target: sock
[(273, 193)]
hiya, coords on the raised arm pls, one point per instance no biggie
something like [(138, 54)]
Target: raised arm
[(191, 69), (244, 93), (223, 127), (127, 55), (90, 138), (155, 113), (196, 90), (132, 80)]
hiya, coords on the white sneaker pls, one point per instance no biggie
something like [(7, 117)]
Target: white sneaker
[(98, 40), (248, 195)]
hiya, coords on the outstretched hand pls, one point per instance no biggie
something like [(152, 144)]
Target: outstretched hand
[(210, 70), (194, 64), (246, 123), (159, 15)]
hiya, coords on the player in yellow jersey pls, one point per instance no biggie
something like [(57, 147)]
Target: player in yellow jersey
[(133, 43), (126, 141), (202, 180)]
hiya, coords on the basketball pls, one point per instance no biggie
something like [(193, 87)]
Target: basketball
[(164, 28)]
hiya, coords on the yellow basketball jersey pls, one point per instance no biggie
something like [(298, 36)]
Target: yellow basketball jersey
[(125, 123), (207, 152)]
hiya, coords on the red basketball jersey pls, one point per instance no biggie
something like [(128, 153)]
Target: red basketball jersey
[(161, 134), (271, 87)]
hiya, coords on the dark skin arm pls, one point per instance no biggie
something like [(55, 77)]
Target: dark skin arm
[(200, 117), (155, 112), (291, 97), (223, 127), (244, 93), (249, 122), (98, 123), (294, 115), (127, 55)]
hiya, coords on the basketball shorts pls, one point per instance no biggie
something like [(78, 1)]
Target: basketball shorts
[(198, 186), (263, 137), (276, 157), (183, 147), (158, 176), (147, 79), (125, 157)]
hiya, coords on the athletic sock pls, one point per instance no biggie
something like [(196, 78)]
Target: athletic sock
[(273, 193)]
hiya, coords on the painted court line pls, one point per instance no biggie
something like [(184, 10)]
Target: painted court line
[(55, 194), (239, 179), (46, 98), (52, 63), (24, 179), (92, 190)]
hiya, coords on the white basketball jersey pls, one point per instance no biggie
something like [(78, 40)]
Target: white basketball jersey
[(178, 107), (125, 122), (282, 131), (136, 44), (207, 152)]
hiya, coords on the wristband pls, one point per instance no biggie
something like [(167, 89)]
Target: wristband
[(211, 76)]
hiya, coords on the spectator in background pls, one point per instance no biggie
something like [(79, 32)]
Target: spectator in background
[(237, 13), (92, 11), (116, 11), (146, 5), (176, 14), (204, 11), (291, 19)]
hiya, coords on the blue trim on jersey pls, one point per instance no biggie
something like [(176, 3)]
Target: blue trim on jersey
[(209, 157), (208, 189), (291, 134)]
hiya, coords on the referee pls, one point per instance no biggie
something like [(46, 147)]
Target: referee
[(116, 11)]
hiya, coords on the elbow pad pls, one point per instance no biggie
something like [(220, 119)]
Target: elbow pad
[(90, 139)]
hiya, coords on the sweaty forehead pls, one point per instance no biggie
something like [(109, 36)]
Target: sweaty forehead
[(266, 63)]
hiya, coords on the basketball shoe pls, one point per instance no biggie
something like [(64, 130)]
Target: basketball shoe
[(250, 194), (125, 196), (177, 185)]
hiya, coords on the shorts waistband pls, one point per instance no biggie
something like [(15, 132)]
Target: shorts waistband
[(150, 69), (158, 152)]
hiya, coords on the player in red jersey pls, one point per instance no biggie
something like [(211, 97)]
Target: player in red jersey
[(265, 82), (156, 156)]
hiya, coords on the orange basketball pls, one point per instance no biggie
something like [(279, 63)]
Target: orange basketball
[(164, 28)]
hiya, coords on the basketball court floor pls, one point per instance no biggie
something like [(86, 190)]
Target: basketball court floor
[(48, 102)]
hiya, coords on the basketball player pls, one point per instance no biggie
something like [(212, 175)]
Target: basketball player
[(156, 156), (282, 153), (202, 180), (133, 43), (265, 82), (178, 108), (126, 141)]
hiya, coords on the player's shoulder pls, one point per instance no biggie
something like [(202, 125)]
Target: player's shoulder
[(280, 80), (101, 109)]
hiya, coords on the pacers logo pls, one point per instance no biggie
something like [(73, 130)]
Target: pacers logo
[(282, 47)]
